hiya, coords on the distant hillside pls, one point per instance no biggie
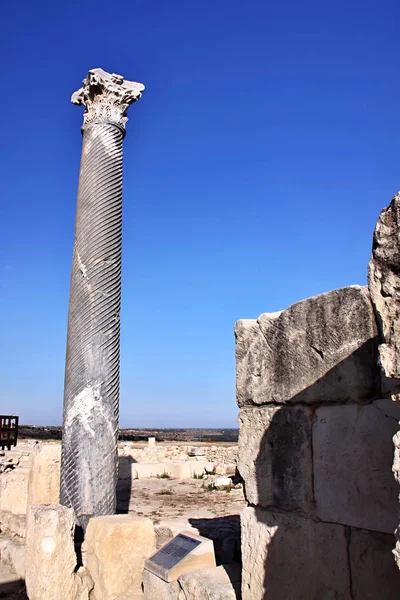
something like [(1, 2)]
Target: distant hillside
[(136, 435)]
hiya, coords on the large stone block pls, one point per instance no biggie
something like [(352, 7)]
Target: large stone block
[(275, 457), (286, 556), (154, 587), (219, 583), (14, 491), (50, 553), (374, 573), (44, 474), (114, 550), (353, 450), (323, 349), (384, 285)]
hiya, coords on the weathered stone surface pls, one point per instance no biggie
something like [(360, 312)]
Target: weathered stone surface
[(115, 549), (14, 491), (275, 458), (286, 556), (14, 523), (219, 583), (396, 470), (50, 553), (384, 285), (323, 349), (44, 474), (13, 556), (169, 528), (353, 450), (154, 587), (373, 571)]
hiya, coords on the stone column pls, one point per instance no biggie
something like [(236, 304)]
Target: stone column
[(91, 389)]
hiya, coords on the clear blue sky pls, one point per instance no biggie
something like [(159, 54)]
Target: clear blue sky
[(255, 167)]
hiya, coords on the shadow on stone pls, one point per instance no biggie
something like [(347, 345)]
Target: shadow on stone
[(225, 533), (13, 590), (290, 552), (124, 483)]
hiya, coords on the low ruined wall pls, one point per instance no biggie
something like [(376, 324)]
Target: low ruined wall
[(315, 453)]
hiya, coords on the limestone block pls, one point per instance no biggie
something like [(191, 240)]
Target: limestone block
[(44, 474), (373, 571), (196, 451), (287, 556), (210, 584), (14, 523), (323, 349), (115, 549), (14, 490), (353, 450), (50, 553), (154, 587), (384, 285), (169, 528), (275, 458)]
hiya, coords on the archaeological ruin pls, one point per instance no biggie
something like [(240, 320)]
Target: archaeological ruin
[(304, 507)]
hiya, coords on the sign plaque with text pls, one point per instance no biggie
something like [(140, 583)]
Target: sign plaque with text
[(185, 552)]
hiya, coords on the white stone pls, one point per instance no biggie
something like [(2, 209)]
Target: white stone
[(222, 482)]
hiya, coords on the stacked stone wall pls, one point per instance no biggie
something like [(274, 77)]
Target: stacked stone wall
[(315, 453)]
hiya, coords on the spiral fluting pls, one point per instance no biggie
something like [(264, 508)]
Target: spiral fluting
[(91, 391)]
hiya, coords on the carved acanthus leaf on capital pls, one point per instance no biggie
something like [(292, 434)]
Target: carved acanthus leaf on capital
[(106, 97)]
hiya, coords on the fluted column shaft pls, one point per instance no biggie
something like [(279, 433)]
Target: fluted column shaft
[(91, 391)]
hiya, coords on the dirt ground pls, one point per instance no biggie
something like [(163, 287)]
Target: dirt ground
[(161, 499)]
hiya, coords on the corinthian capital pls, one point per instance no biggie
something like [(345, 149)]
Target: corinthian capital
[(106, 97)]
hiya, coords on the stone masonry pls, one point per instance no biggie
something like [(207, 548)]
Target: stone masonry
[(315, 453), (384, 286)]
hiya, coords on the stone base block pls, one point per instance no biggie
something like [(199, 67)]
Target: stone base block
[(220, 583), (286, 556), (155, 587), (114, 550), (353, 454), (50, 553)]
